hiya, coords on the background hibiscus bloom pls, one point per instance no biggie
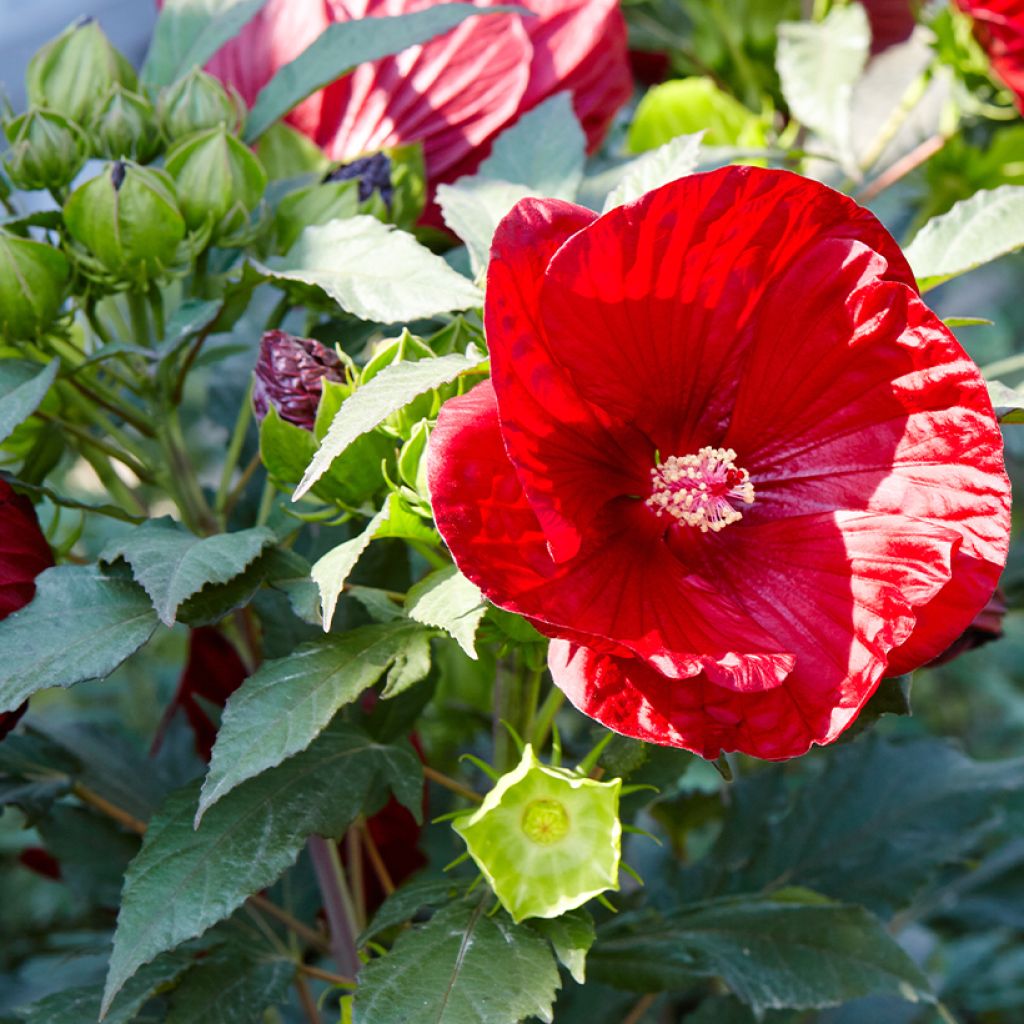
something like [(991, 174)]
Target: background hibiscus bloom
[(729, 460), (999, 26), (455, 93)]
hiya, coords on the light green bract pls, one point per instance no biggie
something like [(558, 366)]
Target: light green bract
[(546, 839)]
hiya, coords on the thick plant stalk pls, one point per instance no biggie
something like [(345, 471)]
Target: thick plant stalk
[(337, 903)]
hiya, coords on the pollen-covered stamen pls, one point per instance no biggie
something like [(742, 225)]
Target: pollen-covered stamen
[(701, 490)]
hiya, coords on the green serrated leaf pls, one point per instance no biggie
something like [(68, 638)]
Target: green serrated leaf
[(189, 32), (331, 571), (571, 936), (447, 600), (403, 904), (287, 703), (410, 666), (232, 986), (81, 1004), (341, 47), (80, 625), (185, 880), (818, 65), (23, 386), (374, 271), (173, 564), (773, 954), (386, 393), (447, 972), (675, 159), (975, 231)]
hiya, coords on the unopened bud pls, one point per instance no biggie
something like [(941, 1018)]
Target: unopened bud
[(73, 73), (33, 276), (197, 103), (220, 181), (125, 127), (289, 376), (47, 150), (373, 174), (128, 221)]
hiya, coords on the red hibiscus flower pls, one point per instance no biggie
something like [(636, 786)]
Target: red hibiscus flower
[(729, 461), (454, 94), (999, 27), (24, 554)]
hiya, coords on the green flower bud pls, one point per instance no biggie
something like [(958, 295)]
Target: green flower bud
[(197, 103), (128, 222), (220, 182), (33, 276), (73, 73), (125, 127), (47, 150), (546, 839)]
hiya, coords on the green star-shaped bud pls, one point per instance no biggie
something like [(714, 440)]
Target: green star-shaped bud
[(546, 839)]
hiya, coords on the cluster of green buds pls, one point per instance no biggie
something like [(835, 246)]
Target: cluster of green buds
[(132, 225)]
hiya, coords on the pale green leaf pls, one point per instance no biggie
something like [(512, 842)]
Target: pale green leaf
[(675, 159), (331, 572), (799, 951), (173, 564), (374, 271), (189, 32), (1008, 402), (462, 967), (23, 386), (473, 207), (341, 47), (975, 231), (448, 601), (80, 625), (390, 390), (185, 880), (818, 65), (571, 936), (281, 708)]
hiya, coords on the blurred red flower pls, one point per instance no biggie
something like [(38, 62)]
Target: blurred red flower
[(999, 27), (728, 460), (892, 21), (455, 93), (24, 554)]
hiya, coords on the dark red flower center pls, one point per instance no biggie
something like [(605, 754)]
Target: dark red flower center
[(701, 490)]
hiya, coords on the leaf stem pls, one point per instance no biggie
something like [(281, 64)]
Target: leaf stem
[(293, 924), (104, 806), (451, 784), (306, 999), (330, 876), (1008, 365), (640, 1008), (328, 976), (234, 449), (380, 869), (895, 172), (546, 715)]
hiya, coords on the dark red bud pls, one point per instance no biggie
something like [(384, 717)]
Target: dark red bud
[(289, 376)]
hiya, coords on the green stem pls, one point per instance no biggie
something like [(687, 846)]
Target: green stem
[(234, 449), (744, 69), (432, 556), (181, 479), (266, 503), (105, 398), (140, 318), (113, 483), (89, 411), (100, 445), (546, 715), (530, 700)]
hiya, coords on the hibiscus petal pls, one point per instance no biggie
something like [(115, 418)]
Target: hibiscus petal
[(851, 583), (569, 460), (24, 553), (628, 589), (654, 305), (452, 93)]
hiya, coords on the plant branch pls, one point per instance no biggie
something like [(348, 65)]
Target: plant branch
[(328, 976), (380, 869), (450, 784), (917, 156), (337, 902), (306, 999), (640, 1008)]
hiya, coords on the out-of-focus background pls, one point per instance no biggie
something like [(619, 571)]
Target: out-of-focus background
[(26, 24)]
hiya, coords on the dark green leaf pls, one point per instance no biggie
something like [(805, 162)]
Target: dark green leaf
[(341, 47), (189, 32), (463, 967), (185, 880), (80, 625), (23, 386), (232, 986), (404, 903), (173, 564), (286, 704), (797, 953)]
